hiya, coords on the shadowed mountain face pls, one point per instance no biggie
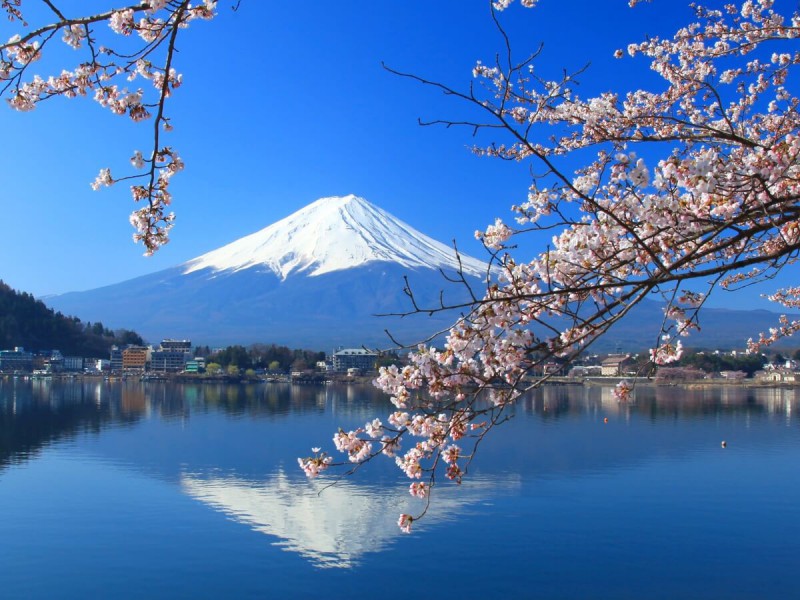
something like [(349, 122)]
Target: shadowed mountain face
[(254, 305), (322, 276)]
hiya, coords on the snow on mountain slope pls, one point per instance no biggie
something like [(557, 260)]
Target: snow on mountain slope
[(334, 234)]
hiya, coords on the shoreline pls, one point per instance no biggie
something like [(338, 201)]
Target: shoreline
[(598, 381)]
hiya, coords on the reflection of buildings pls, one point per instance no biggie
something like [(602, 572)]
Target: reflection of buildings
[(133, 400), (331, 525), (556, 400)]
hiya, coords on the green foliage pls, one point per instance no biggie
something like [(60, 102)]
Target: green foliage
[(262, 356), (213, 368), (27, 322), (233, 355), (714, 363)]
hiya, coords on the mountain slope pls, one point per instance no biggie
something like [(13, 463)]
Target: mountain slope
[(317, 278), (333, 234)]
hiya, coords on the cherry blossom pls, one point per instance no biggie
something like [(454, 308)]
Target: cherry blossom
[(314, 465), (404, 523), (99, 74), (683, 190)]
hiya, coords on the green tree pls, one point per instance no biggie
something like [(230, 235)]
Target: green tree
[(213, 368)]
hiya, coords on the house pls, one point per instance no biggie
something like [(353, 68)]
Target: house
[(612, 365), (780, 375)]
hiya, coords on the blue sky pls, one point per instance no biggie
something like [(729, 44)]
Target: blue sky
[(283, 103)]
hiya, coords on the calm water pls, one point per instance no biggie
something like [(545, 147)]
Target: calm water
[(129, 490)]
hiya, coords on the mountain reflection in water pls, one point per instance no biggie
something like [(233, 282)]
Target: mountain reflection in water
[(331, 523), (210, 470)]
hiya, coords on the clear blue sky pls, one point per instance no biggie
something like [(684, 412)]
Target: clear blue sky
[(283, 103)]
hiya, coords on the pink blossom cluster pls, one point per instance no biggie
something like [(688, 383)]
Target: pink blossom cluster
[(156, 23), (357, 449), (314, 465), (623, 391), (667, 351), (786, 328)]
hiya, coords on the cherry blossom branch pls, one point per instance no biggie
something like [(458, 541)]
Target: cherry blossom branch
[(716, 207), (157, 27)]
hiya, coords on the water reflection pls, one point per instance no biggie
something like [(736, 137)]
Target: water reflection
[(332, 525), (195, 489), (230, 450), (35, 413), (661, 401)]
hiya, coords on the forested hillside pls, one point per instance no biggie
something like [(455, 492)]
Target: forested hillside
[(27, 322)]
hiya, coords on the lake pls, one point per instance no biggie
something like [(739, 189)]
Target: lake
[(163, 490)]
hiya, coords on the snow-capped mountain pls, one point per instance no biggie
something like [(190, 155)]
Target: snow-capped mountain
[(333, 234), (316, 279), (319, 279)]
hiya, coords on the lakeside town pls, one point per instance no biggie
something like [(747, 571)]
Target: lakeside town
[(178, 359)]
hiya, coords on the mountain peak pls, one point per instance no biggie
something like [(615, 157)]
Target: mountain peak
[(333, 234)]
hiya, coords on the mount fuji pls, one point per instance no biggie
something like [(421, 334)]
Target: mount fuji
[(321, 277), (316, 279)]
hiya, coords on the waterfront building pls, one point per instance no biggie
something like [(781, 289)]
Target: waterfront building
[(612, 365), (586, 371), (780, 375), (116, 359), (73, 363), (16, 360), (168, 361), (176, 345), (171, 357), (135, 358), (354, 358), (196, 365)]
